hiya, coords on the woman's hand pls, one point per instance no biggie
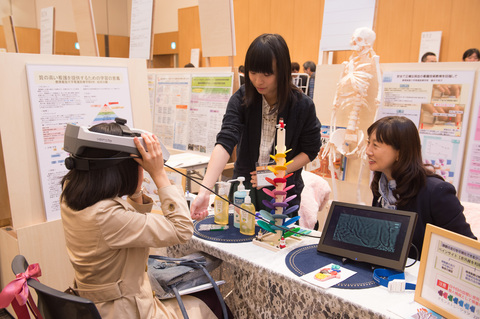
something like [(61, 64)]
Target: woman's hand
[(152, 159), (253, 179), (199, 207)]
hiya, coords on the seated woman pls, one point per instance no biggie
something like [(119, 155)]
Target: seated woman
[(108, 238), (401, 180)]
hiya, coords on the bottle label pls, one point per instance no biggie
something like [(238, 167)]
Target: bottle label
[(237, 201)]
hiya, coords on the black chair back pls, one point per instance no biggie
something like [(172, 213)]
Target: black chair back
[(55, 304)]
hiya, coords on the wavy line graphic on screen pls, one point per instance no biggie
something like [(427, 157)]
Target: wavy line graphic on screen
[(367, 232), (106, 113)]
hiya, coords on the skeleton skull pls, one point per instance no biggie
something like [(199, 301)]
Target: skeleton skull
[(362, 38)]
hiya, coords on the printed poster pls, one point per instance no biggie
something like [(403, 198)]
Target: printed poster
[(470, 191), (189, 109), (452, 281), (170, 116), (209, 98), (438, 103), (80, 95)]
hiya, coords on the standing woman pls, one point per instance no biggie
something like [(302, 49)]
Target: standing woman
[(108, 238), (401, 180), (249, 123)]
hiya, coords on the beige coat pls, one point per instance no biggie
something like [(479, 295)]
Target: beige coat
[(108, 245)]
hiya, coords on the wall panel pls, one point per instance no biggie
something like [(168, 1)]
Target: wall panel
[(282, 21), (430, 15), (394, 30), (119, 46), (188, 35), (65, 43), (242, 27), (307, 17), (463, 31), (162, 43), (28, 40)]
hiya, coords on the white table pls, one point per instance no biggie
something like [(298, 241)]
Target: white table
[(192, 162), (263, 286)]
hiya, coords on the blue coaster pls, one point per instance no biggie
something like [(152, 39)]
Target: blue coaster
[(230, 235), (306, 259)]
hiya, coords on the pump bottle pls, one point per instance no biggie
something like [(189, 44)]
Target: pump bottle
[(247, 221), (220, 205), (238, 199)]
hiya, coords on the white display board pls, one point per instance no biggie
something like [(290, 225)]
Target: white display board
[(217, 28), (430, 42), (195, 57), (438, 102), (189, 108), (81, 95), (141, 29), (341, 18), (47, 30)]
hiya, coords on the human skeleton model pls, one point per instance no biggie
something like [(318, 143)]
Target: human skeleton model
[(362, 66)]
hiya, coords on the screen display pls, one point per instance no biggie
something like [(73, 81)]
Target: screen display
[(369, 234)]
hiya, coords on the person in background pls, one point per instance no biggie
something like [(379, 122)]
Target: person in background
[(401, 180), (299, 80), (189, 65), (429, 57), (250, 119), (471, 55), (241, 73), (108, 237), (309, 67)]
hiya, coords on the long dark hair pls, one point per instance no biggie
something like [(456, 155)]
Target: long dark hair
[(408, 171), (82, 189), (470, 52), (261, 54)]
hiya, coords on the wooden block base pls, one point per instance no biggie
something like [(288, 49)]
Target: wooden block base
[(270, 242)]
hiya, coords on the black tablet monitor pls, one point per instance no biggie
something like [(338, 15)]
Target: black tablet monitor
[(374, 235)]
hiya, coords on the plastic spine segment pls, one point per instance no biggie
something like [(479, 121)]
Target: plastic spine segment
[(279, 203)]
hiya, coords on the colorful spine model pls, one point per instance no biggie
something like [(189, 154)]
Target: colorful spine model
[(279, 203)]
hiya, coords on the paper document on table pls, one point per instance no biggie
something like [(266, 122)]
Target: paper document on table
[(183, 160), (328, 276), (413, 310)]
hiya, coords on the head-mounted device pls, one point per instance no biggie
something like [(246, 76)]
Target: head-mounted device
[(77, 138)]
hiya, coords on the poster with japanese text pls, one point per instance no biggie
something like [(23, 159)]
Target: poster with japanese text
[(449, 275), (470, 190), (172, 97), (80, 95), (189, 109), (438, 102), (208, 103)]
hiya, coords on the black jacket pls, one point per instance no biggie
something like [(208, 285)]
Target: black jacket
[(436, 203), (242, 125)]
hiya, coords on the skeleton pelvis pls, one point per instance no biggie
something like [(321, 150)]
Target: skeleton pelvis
[(343, 146)]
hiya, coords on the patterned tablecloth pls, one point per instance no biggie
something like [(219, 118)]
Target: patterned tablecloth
[(259, 285)]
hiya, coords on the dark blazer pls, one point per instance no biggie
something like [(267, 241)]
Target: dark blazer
[(242, 125), (437, 204)]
